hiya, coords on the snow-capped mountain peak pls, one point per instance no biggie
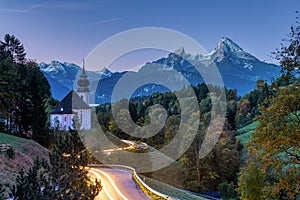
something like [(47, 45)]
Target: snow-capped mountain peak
[(63, 74), (238, 68), (226, 48), (180, 52), (55, 66), (228, 45), (105, 72)]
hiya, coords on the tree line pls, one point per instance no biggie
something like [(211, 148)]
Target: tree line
[(24, 93), (220, 166)]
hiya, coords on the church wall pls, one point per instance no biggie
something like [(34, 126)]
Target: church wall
[(63, 121), (85, 118)]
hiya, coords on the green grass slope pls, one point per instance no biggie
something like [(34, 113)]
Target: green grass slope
[(171, 191), (246, 132)]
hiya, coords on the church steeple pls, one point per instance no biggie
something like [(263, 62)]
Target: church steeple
[(83, 85), (83, 82)]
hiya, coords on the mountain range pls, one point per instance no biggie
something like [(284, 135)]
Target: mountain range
[(239, 70)]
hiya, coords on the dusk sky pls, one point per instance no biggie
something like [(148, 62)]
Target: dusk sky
[(68, 30)]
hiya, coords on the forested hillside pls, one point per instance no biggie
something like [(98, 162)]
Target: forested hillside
[(24, 93)]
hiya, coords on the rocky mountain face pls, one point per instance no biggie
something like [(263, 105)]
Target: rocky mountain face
[(239, 70), (62, 76)]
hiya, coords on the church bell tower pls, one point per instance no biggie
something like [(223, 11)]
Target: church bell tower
[(83, 86)]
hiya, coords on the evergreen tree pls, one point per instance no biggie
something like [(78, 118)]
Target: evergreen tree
[(2, 191), (34, 184), (24, 93), (64, 179), (7, 100), (68, 160), (23, 108), (39, 94), (13, 46)]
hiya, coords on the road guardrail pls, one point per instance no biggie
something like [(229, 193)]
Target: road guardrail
[(153, 194)]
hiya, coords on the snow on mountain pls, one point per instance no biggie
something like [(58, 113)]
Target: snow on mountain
[(227, 49), (62, 76), (239, 70)]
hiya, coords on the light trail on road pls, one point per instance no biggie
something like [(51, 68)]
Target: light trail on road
[(117, 185)]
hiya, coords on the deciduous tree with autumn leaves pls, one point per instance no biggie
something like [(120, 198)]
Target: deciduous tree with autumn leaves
[(274, 150)]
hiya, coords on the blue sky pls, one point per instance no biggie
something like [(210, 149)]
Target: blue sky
[(69, 30)]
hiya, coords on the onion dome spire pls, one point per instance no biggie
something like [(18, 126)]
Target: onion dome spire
[(83, 82)]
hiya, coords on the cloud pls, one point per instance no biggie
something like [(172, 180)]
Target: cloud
[(48, 5), (12, 10), (61, 5), (111, 20), (106, 20)]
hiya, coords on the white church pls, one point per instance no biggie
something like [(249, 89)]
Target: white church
[(74, 112)]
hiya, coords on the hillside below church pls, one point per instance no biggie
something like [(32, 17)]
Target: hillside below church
[(25, 153)]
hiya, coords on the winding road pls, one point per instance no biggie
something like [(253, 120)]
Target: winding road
[(117, 185)]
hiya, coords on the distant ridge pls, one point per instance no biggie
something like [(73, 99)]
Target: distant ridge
[(239, 70)]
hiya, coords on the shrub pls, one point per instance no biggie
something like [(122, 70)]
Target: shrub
[(227, 190), (145, 190), (2, 191), (10, 153)]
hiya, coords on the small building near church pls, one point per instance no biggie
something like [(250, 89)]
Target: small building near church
[(74, 112)]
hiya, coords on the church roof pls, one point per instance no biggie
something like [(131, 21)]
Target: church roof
[(71, 101)]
